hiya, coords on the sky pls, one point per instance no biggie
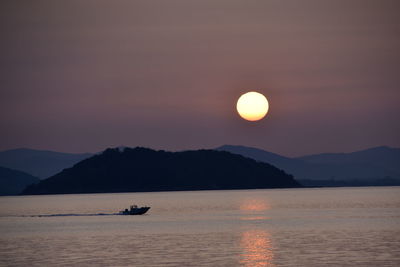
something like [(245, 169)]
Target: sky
[(81, 76)]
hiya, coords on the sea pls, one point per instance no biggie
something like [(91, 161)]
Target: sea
[(357, 226)]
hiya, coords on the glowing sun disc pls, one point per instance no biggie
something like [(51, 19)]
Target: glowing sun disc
[(252, 106)]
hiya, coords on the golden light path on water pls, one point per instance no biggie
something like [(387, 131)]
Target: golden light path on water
[(256, 244), (257, 248)]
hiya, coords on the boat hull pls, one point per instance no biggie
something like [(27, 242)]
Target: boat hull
[(137, 211)]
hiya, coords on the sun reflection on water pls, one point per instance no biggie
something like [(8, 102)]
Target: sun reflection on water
[(256, 249), (251, 205), (256, 245), (254, 209)]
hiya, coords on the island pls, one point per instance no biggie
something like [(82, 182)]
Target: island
[(142, 170)]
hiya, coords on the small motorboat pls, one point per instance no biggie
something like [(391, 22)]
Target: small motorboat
[(134, 210)]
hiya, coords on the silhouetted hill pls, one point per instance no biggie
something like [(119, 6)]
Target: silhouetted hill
[(363, 167), (39, 163), (142, 169), (12, 182)]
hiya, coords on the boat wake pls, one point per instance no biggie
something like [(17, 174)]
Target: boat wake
[(71, 214), (134, 210)]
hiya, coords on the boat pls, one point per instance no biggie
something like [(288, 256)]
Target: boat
[(134, 210)]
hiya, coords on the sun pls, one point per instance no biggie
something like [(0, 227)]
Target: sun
[(252, 106)]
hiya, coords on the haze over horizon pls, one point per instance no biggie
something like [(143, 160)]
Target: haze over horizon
[(199, 148), (84, 76)]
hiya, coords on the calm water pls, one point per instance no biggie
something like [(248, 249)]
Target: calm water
[(289, 227)]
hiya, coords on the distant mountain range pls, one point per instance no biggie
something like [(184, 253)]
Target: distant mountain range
[(375, 166), (39, 163), (142, 169), (12, 182), (383, 157)]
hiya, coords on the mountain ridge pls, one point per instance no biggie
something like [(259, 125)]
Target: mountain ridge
[(39, 163), (363, 164), (12, 182), (357, 165)]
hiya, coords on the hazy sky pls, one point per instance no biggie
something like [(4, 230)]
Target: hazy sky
[(80, 76)]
